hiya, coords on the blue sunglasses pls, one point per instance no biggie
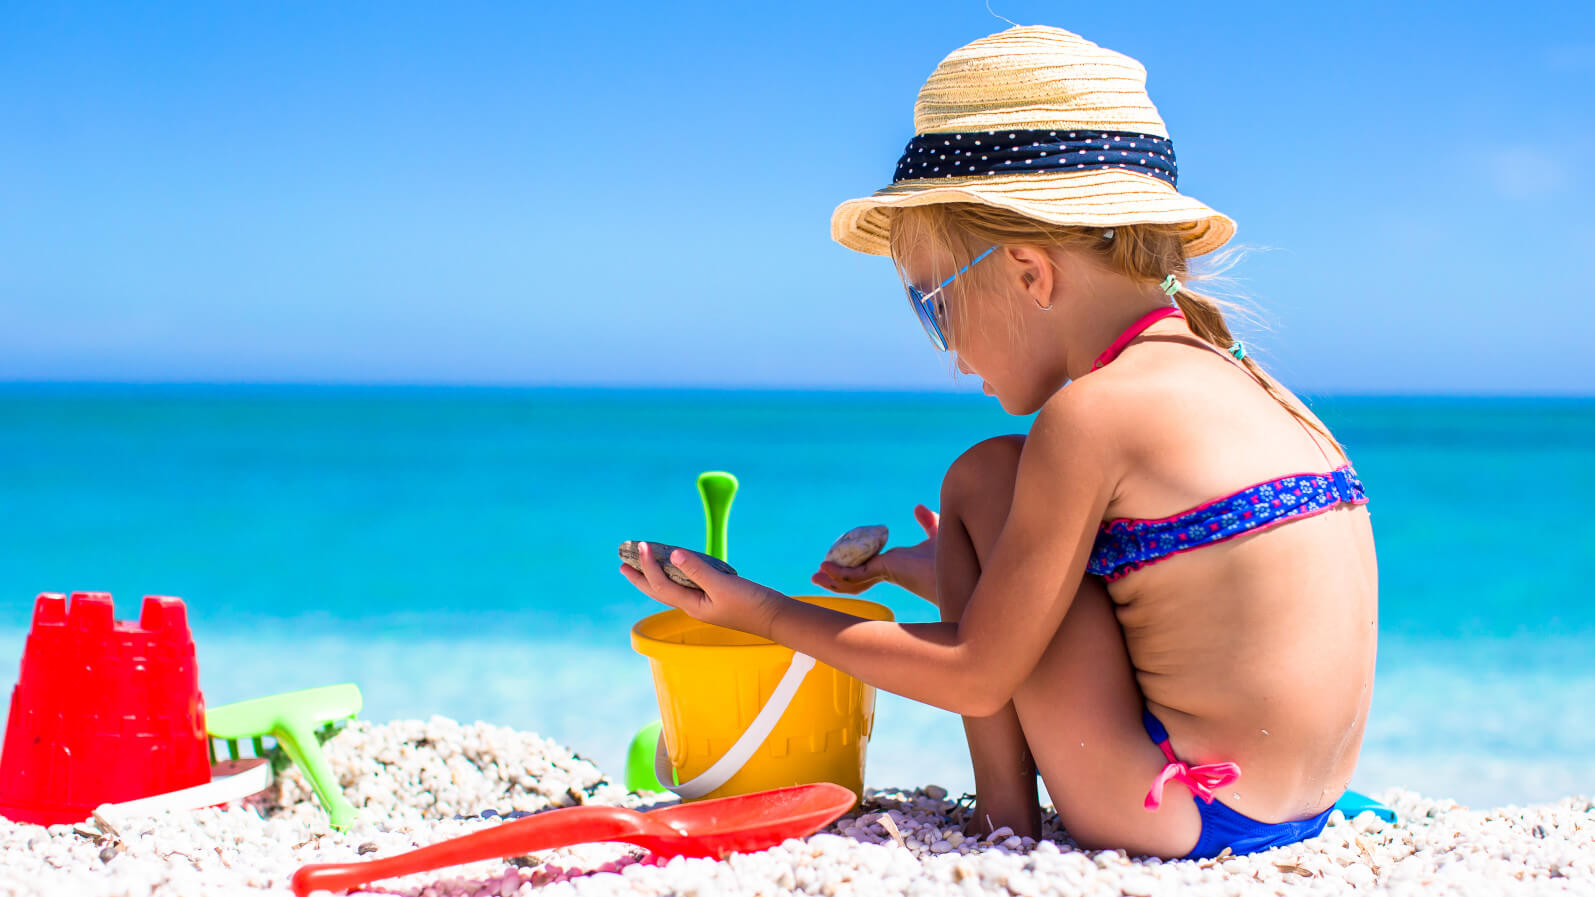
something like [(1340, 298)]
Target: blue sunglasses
[(930, 308)]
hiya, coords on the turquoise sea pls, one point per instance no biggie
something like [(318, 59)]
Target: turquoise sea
[(453, 550)]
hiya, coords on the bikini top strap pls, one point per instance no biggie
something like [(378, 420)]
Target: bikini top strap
[(1134, 330)]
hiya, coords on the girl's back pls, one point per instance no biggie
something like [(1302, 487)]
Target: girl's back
[(1258, 649)]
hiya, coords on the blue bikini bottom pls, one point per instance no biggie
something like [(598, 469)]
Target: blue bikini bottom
[(1221, 826)]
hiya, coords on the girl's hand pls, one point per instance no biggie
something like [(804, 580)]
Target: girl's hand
[(912, 567), (729, 601)]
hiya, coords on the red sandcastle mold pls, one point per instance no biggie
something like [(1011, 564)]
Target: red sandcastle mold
[(103, 710)]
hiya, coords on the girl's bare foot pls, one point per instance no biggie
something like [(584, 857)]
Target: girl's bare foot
[(1025, 822)]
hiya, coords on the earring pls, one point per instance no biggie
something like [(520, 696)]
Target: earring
[(1029, 279)]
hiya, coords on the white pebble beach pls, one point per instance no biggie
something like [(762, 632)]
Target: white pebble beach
[(412, 779)]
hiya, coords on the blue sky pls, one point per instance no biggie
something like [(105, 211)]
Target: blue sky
[(640, 194)]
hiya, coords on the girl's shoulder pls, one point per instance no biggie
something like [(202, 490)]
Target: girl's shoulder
[(1084, 423), (1111, 397)]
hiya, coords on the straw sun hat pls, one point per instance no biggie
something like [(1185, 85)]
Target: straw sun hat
[(1045, 123)]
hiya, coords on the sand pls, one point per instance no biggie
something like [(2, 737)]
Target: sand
[(412, 780)]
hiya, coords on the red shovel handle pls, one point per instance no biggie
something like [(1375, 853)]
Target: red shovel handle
[(545, 831)]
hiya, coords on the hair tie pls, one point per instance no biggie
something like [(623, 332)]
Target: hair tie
[(1170, 286), (1238, 350)]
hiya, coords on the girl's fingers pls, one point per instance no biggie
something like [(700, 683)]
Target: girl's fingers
[(831, 585), (641, 582), (840, 573), (858, 578), (928, 520), (873, 570), (880, 566), (661, 586), (698, 571), (650, 567), (641, 578), (876, 569)]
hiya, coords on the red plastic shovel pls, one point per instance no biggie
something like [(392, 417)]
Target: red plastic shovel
[(709, 828)]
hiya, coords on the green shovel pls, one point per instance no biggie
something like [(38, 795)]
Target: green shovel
[(716, 488)]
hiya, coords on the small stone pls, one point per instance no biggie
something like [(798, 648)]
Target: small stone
[(1139, 886), (107, 854), (368, 847), (662, 552), (855, 547), (890, 825), (1366, 822)]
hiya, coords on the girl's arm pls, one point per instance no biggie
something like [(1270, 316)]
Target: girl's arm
[(974, 666)]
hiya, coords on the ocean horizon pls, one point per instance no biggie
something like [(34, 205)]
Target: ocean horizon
[(451, 548)]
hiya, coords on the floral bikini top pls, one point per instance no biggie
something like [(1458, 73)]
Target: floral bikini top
[(1127, 544)]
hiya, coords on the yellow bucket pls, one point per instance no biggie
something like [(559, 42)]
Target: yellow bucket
[(719, 689)]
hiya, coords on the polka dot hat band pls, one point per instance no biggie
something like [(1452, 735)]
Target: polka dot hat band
[(988, 152), (1087, 147)]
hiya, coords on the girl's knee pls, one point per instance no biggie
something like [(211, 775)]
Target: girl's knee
[(985, 470)]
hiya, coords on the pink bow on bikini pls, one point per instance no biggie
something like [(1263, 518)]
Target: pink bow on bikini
[(1201, 780)]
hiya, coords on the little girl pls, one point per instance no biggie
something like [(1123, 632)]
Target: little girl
[(1164, 597)]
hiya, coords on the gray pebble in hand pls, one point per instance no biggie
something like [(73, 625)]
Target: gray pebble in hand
[(661, 553), (857, 546)]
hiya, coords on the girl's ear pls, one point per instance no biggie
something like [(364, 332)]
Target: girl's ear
[(1035, 273)]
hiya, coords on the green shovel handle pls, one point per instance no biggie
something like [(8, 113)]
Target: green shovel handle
[(717, 488)]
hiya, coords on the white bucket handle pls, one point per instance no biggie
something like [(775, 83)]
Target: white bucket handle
[(749, 741), (249, 778)]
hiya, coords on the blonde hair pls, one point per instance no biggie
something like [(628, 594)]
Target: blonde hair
[(1141, 252)]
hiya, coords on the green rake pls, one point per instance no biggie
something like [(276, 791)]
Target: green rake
[(298, 721)]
